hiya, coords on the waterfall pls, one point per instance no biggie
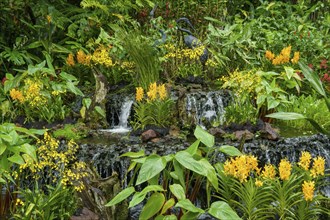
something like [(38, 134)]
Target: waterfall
[(118, 113), (206, 108)]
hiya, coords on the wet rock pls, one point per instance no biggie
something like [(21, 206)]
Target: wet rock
[(245, 134), (148, 135), (86, 214), (217, 132), (174, 131), (269, 132)]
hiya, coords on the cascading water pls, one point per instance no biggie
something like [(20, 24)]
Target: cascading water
[(206, 108), (118, 113)]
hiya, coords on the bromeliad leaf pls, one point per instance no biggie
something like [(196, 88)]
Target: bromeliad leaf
[(152, 166)]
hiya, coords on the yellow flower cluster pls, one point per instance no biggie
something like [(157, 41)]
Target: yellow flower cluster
[(269, 172), (70, 60), (244, 82), (54, 163), (16, 95), (285, 169), (155, 91), (191, 54), (318, 167), (308, 190), (32, 93), (101, 56), (240, 167), (283, 57), (305, 160), (259, 183), (82, 58)]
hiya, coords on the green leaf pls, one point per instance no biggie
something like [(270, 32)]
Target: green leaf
[(99, 110), (187, 205), (286, 115), (193, 148), (187, 161), (190, 216), (6, 137), (73, 88), (166, 217), (3, 148), (87, 102), (222, 210), (67, 77), (230, 150), (312, 78), (121, 196), (211, 174), (139, 196), (205, 137), (133, 154), (154, 205), (29, 150), (16, 158), (153, 165), (168, 204), (178, 191)]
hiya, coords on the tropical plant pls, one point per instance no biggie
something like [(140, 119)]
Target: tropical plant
[(316, 84), (15, 150), (175, 180), (156, 109), (39, 93), (290, 191), (47, 202)]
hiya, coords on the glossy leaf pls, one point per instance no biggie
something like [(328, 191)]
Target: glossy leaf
[(286, 115), (190, 216), (193, 148), (166, 217), (16, 158), (121, 196), (153, 206), (187, 205), (222, 210), (168, 204), (153, 165), (187, 161), (211, 174), (178, 191), (133, 154), (230, 150), (205, 137)]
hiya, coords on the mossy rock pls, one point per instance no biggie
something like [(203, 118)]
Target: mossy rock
[(71, 132)]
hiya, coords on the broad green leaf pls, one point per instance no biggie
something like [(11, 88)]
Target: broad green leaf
[(29, 150), (230, 150), (99, 110), (211, 174), (6, 137), (168, 204), (166, 217), (67, 77), (153, 165), (187, 205), (312, 78), (3, 147), (2, 180), (193, 148), (73, 88), (187, 161), (178, 170), (286, 115), (121, 196), (16, 158), (178, 191), (87, 102), (153, 206), (222, 210), (190, 216), (289, 72), (133, 154), (131, 166), (205, 137), (139, 196)]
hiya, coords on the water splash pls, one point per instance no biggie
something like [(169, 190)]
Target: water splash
[(206, 108), (119, 119)]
